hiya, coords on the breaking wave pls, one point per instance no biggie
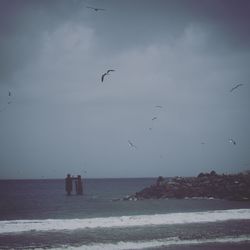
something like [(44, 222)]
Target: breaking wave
[(122, 245), (16, 226)]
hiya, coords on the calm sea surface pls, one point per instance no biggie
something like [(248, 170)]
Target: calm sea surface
[(37, 214)]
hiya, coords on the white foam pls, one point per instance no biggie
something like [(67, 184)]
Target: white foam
[(14, 226), (156, 243)]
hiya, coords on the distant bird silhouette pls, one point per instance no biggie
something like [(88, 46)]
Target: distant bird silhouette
[(159, 106), (103, 75), (106, 73), (232, 141), (9, 102), (94, 8), (154, 118), (131, 144), (10, 94), (235, 87)]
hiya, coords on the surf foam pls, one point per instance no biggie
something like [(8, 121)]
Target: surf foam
[(14, 226), (156, 243)]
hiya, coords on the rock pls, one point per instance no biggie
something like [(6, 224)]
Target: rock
[(213, 173), (160, 181), (201, 175), (205, 185)]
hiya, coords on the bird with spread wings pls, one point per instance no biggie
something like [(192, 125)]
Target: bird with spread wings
[(131, 144), (106, 73), (235, 87), (94, 8), (232, 141)]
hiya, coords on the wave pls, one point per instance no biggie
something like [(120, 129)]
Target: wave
[(15, 226), (122, 245)]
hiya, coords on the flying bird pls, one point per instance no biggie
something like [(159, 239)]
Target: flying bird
[(232, 141), (159, 106), (9, 102), (154, 118), (103, 75), (131, 144), (106, 73), (235, 87), (94, 8)]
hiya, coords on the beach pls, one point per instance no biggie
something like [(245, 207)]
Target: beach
[(37, 214)]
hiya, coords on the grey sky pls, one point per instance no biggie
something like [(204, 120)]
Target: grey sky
[(182, 55)]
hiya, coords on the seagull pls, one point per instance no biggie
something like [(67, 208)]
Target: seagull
[(94, 8), (154, 118), (103, 75), (235, 87), (131, 144), (232, 141), (9, 102), (106, 73)]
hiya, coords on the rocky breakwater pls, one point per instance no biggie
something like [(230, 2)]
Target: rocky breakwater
[(205, 185)]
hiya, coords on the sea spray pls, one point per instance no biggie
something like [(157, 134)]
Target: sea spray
[(15, 226)]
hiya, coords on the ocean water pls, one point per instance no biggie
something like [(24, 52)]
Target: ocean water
[(37, 214)]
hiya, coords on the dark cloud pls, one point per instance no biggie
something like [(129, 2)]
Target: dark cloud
[(126, 23), (22, 24), (122, 25), (182, 55)]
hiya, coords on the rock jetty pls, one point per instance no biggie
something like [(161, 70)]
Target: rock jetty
[(205, 185)]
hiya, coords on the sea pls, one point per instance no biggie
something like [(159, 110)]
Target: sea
[(37, 214)]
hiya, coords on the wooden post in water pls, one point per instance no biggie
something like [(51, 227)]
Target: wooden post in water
[(79, 189), (68, 184), (77, 183)]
